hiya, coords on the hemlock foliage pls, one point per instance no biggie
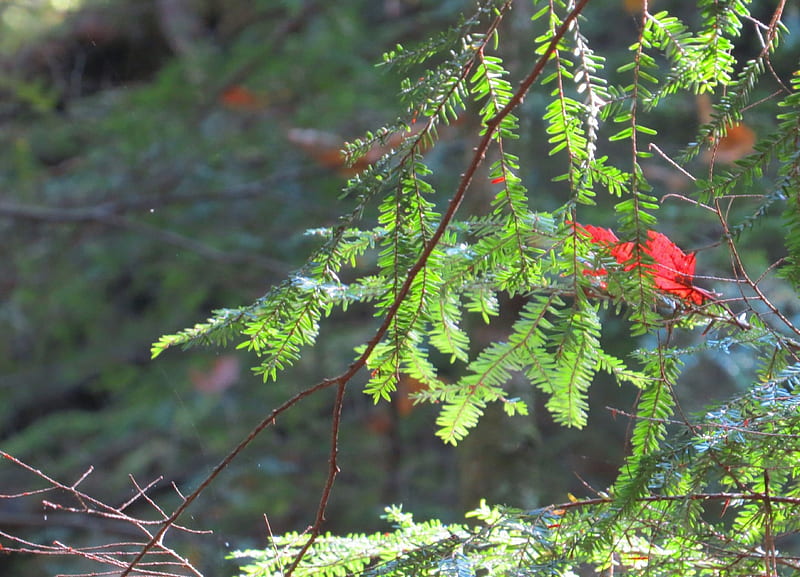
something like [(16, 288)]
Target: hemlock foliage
[(707, 495)]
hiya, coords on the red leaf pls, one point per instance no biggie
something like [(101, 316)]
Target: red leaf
[(242, 99), (598, 235), (622, 252), (672, 271)]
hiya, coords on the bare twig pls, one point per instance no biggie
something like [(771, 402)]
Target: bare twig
[(333, 470), (723, 496), (698, 427), (672, 163), (163, 561)]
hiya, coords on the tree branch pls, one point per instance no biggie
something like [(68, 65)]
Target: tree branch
[(333, 470), (361, 361)]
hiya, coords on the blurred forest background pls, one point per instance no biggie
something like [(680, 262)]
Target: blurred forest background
[(163, 158)]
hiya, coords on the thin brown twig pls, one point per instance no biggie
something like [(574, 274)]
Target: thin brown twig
[(739, 268), (770, 554), (146, 497), (139, 491), (772, 32), (696, 427), (675, 165), (111, 554), (57, 485), (333, 470), (722, 496), (271, 537)]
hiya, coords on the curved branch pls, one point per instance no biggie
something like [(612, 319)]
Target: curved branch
[(333, 470)]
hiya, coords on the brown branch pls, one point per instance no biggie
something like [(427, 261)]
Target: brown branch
[(139, 491), (333, 470), (739, 270), (163, 561), (770, 554)]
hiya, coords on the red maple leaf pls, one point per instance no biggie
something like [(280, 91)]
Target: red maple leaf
[(672, 269)]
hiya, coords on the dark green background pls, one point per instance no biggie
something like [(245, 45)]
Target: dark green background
[(134, 200)]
